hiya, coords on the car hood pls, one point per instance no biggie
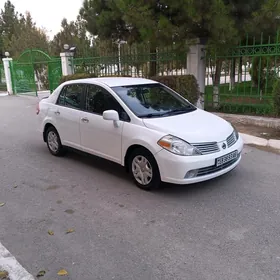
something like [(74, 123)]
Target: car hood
[(194, 127)]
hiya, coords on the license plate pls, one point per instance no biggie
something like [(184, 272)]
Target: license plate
[(227, 158)]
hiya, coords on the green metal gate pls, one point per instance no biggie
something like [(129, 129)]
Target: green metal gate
[(3, 85), (34, 71), (54, 73)]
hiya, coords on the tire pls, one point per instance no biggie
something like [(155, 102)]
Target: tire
[(144, 170), (54, 143)]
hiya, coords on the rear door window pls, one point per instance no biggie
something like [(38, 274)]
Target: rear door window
[(71, 96)]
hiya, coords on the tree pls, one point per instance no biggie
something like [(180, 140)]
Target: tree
[(265, 19), (27, 36), (104, 19), (19, 32), (159, 21), (8, 24), (73, 33)]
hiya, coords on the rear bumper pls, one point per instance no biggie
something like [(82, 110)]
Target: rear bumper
[(174, 169)]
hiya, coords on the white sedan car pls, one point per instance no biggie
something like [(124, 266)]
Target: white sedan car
[(156, 134)]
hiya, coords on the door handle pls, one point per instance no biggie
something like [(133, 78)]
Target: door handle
[(57, 112), (85, 120)]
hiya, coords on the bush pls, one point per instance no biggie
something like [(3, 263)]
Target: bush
[(185, 85), (261, 73), (276, 97), (77, 76), (3, 87)]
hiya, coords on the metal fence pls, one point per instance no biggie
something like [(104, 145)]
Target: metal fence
[(247, 76), (135, 62)]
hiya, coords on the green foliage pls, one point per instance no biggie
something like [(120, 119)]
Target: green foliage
[(158, 22), (104, 18), (8, 21), (3, 87), (73, 33), (185, 85), (223, 23), (77, 76), (18, 32), (246, 109), (276, 97), (264, 18), (262, 73)]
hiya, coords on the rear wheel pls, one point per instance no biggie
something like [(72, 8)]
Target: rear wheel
[(144, 169), (54, 143)]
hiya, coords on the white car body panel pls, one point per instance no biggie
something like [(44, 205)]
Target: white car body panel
[(192, 127), (102, 138)]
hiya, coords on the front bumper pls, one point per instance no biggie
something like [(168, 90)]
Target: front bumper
[(174, 168)]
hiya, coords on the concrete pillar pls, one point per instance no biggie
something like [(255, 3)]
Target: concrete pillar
[(196, 65), (8, 74), (67, 63)]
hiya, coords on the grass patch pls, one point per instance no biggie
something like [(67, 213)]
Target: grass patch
[(243, 99)]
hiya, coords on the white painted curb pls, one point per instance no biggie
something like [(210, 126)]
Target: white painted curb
[(3, 94), (249, 139), (274, 144), (12, 266)]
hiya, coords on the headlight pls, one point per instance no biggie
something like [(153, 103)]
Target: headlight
[(177, 146), (236, 134)]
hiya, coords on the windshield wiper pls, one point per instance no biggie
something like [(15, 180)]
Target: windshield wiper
[(178, 111), (150, 115), (169, 113)]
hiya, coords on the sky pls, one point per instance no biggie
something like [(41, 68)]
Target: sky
[(48, 13)]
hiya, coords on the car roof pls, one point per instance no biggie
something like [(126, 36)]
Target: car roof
[(115, 81)]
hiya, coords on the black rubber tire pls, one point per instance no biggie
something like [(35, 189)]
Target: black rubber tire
[(61, 150), (156, 179)]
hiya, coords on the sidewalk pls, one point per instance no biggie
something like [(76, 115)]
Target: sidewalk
[(257, 131), (2, 94), (252, 120)]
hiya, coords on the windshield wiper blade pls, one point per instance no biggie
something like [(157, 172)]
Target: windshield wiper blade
[(150, 115), (171, 112), (178, 111)]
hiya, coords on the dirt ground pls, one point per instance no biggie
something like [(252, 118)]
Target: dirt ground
[(263, 132)]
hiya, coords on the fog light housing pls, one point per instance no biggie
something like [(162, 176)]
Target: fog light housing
[(191, 174)]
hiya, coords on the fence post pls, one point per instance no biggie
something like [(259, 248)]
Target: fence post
[(67, 63), (8, 74), (196, 66)]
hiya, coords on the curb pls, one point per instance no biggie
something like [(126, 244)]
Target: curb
[(251, 120), (249, 139), (2, 94)]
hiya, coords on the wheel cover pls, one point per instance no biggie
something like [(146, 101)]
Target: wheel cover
[(142, 170), (53, 141)]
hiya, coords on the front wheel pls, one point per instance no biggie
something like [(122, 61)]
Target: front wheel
[(144, 169), (54, 143)]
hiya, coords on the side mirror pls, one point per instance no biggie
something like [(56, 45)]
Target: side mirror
[(112, 115)]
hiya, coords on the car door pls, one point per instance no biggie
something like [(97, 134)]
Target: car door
[(98, 136), (67, 113)]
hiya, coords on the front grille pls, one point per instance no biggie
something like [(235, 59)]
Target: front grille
[(207, 148), (231, 140), (213, 169)]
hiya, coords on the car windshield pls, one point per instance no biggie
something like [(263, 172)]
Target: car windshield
[(153, 100)]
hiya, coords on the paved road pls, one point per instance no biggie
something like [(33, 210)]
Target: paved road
[(228, 228)]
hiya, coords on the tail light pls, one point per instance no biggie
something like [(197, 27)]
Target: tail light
[(38, 109)]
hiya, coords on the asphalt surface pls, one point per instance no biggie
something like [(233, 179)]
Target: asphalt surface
[(228, 228)]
